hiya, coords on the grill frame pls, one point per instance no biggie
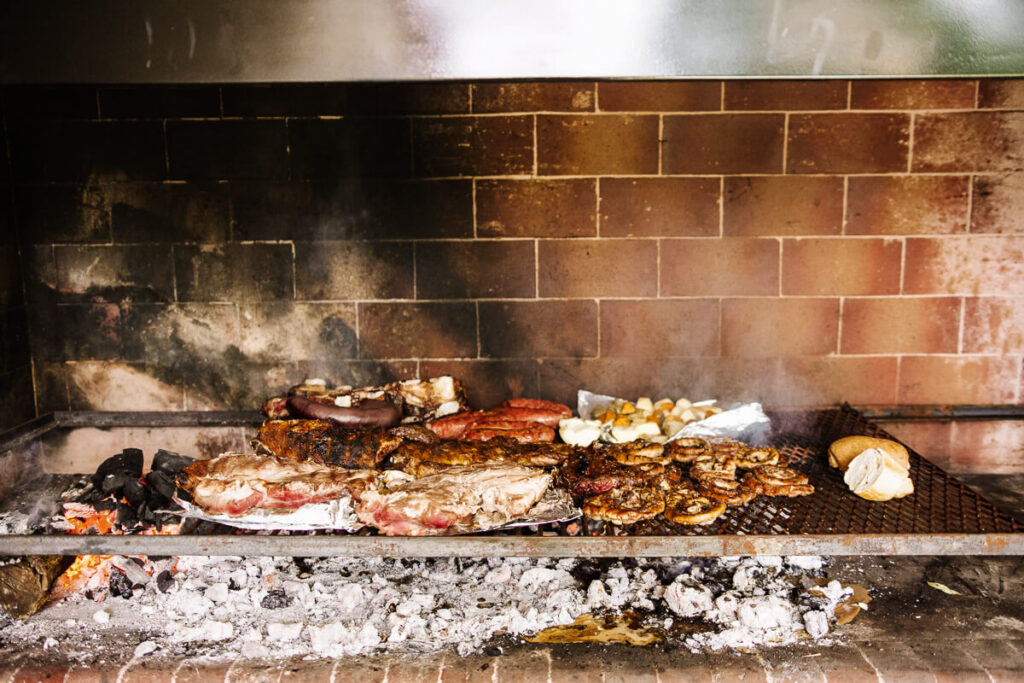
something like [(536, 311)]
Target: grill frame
[(943, 516)]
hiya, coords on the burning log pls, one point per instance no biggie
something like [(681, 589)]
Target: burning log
[(25, 586)]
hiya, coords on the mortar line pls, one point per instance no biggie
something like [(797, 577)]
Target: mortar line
[(494, 670), (99, 109), (782, 247), (174, 274), (295, 286), (721, 206), (661, 139), (899, 370), (536, 268), (387, 672), (598, 302), (597, 91), (476, 311), (334, 670), (657, 275), (977, 93), (849, 95), (415, 257), (597, 215), (903, 262), (470, 86), (963, 323), (124, 669), (910, 143), (721, 97), (970, 204), (535, 145), (846, 203), (472, 185), (839, 330), (870, 663), (785, 142), (440, 670)]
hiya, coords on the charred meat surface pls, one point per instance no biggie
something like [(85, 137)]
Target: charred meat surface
[(589, 472), (419, 459), (327, 443)]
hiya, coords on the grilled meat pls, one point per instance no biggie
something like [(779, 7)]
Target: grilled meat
[(326, 442), (457, 500), (233, 484), (591, 471), (419, 459)]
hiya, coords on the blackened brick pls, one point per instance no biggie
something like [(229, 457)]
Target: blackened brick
[(723, 143), (472, 269), (597, 144), (471, 145), (353, 270), (286, 331), (536, 208), (87, 150), (63, 213), (16, 405), (114, 273), (538, 329), (352, 209), (408, 98), (169, 212), (36, 102), (969, 141), (234, 272), (14, 345), (216, 150), (349, 148), (284, 99), (159, 102), (86, 332), (424, 330), (51, 387), (536, 96)]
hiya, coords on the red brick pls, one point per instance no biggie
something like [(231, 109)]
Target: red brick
[(197, 671), (933, 440), (415, 669), (408, 98), (659, 95), (720, 267), (1001, 93), (959, 380), (847, 143), (907, 205), (785, 95), (811, 382), (987, 446), (1001, 659), (779, 327), (473, 145), (907, 94), (430, 330), (895, 661), (597, 144), (350, 670), (900, 325), (723, 143), (353, 270), (536, 208), (524, 665), (659, 329), (979, 266), (782, 205), (969, 141), (654, 207), (471, 669), (475, 269), (489, 382), (998, 204), (538, 96), (598, 268), (993, 325), (35, 672), (841, 267), (538, 329), (321, 671)]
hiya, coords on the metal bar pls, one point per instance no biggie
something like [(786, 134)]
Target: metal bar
[(520, 546), (114, 419), (926, 413), (227, 41), (28, 431)]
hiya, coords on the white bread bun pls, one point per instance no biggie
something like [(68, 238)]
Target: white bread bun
[(841, 452), (875, 475)]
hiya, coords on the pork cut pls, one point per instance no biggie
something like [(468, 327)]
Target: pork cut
[(235, 483), (326, 442), (458, 500), (421, 459)]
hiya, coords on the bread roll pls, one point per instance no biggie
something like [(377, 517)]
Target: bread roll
[(875, 475), (841, 452)]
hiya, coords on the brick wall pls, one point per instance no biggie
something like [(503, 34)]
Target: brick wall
[(801, 243)]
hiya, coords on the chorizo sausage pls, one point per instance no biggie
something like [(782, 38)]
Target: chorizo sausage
[(539, 404)]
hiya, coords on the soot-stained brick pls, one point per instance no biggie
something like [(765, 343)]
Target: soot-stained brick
[(207, 329), (284, 99), (51, 387), (159, 101), (115, 273), (281, 331), (16, 404), (357, 373), (353, 270), (488, 382), (63, 213), (234, 272), (217, 150), (349, 148), (87, 150), (14, 346), (10, 278), (36, 102), (8, 233), (428, 330), (160, 212)]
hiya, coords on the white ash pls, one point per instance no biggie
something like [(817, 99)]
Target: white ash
[(260, 607)]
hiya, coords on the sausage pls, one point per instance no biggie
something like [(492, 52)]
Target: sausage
[(545, 417), (531, 434), (454, 426), (538, 404), (369, 413)]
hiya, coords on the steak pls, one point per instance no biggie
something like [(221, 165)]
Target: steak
[(592, 471), (419, 459)]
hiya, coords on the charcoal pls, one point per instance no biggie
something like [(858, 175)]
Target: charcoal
[(275, 599), (105, 504), (128, 461), (161, 483), (126, 516), (134, 492), (114, 482), (164, 581), (157, 501), (145, 514), (120, 584), (170, 463)]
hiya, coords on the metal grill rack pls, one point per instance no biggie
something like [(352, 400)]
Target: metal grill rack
[(942, 517)]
